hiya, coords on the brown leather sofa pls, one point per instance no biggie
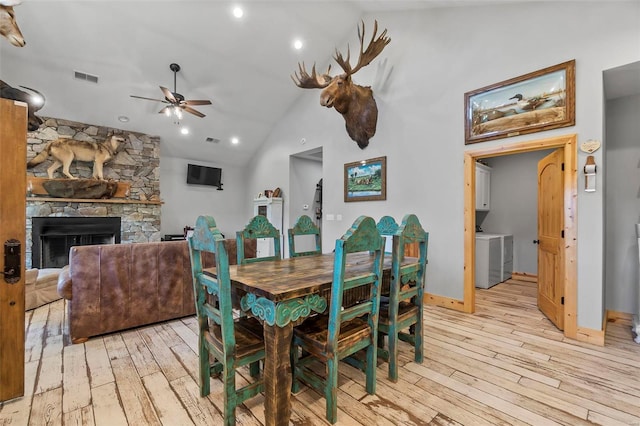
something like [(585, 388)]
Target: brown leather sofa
[(113, 287)]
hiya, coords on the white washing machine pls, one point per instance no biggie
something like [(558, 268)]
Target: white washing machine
[(494, 258)]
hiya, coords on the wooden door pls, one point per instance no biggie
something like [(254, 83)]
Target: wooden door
[(551, 237), (13, 159)]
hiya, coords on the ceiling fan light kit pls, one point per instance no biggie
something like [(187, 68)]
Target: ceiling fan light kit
[(176, 102)]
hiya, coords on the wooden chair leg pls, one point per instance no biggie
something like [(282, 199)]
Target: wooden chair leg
[(393, 352), (205, 370), (331, 390), (419, 341), (254, 369), (230, 399), (372, 361)]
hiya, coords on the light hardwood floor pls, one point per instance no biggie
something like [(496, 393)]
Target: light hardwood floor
[(506, 364)]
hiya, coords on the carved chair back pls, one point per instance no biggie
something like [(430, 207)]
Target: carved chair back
[(258, 227), (304, 226)]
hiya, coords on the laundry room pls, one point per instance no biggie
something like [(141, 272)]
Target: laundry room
[(507, 217)]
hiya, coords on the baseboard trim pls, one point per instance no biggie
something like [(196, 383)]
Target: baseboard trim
[(619, 317), (523, 276), (590, 335), (445, 302)]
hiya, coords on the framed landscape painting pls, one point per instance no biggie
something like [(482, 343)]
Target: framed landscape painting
[(541, 100), (366, 180)]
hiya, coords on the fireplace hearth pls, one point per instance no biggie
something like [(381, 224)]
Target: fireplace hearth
[(52, 237)]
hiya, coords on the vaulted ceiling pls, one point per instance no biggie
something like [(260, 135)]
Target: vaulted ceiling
[(242, 65)]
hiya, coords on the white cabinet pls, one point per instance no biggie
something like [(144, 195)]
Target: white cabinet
[(494, 259), (483, 187), (271, 208)]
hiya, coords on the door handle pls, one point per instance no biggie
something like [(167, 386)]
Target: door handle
[(12, 267), (536, 241)]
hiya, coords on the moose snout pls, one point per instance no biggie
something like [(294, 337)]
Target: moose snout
[(17, 41), (326, 101)]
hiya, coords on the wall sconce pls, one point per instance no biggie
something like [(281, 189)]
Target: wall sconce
[(590, 174)]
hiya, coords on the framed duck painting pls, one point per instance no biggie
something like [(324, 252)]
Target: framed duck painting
[(534, 102)]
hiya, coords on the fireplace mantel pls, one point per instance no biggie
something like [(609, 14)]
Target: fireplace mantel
[(38, 193), (96, 200)]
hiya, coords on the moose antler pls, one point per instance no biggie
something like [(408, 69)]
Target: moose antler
[(313, 81), (374, 48)]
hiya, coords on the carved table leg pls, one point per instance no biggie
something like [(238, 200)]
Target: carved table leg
[(277, 374)]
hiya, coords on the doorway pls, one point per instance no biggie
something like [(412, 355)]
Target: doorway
[(305, 191), (568, 143)]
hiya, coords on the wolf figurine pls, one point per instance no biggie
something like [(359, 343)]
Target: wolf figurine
[(64, 151)]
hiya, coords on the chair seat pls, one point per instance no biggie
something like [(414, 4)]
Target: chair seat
[(249, 336), (406, 311), (313, 333)]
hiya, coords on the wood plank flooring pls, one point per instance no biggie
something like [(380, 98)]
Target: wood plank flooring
[(504, 365)]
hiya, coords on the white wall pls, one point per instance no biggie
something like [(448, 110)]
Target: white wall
[(622, 170), (435, 56), (514, 205), (184, 203)]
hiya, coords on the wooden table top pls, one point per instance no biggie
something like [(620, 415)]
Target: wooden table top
[(290, 278)]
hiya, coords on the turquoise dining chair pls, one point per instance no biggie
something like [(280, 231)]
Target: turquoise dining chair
[(224, 343), (258, 227), (401, 313), (304, 226), (345, 330)]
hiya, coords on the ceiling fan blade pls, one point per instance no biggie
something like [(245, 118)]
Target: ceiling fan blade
[(192, 111), (168, 95), (148, 99), (192, 102)]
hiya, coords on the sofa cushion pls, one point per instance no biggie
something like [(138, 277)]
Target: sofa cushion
[(40, 287)]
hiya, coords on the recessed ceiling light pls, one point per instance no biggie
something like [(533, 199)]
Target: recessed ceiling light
[(123, 118), (235, 141), (297, 44), (238, 12), (184, 131)]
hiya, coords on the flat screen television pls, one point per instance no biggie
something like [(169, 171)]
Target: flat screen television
[(203, 175)]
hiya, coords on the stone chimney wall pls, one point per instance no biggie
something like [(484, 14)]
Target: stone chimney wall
[(137, 162)]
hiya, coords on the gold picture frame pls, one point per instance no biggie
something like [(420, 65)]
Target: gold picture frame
[(534, 102), (366, 180)]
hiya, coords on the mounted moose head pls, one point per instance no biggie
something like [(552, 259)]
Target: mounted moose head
[(354, 102), (8, 25), (34, 104)]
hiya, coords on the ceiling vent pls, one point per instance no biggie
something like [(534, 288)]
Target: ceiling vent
[(212, 140), (86, 77)]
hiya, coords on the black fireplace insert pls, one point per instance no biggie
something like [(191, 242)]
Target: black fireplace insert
[(52, 237)]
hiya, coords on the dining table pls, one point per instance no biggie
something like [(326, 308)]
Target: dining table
[(281, 294)]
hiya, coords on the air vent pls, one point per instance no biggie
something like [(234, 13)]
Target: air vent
[(86, 77), (212, 140)]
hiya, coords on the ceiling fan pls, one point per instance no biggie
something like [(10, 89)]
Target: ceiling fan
[(176, 101)]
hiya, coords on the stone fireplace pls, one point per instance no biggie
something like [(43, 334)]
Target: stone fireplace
[(137, 163), (52, 237)]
